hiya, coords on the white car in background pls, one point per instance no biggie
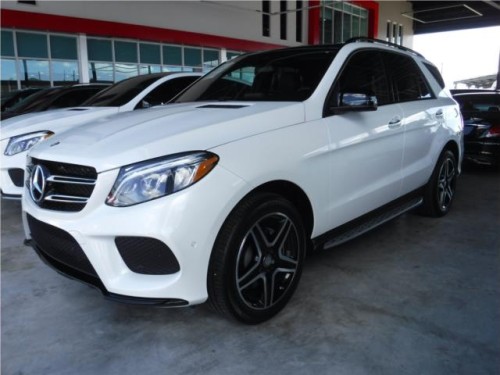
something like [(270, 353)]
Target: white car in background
[(20, 133)]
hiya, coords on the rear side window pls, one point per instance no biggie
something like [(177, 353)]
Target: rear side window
[(435, 73), (407, 80)]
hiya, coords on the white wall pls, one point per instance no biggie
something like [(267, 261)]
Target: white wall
[(391, 11)]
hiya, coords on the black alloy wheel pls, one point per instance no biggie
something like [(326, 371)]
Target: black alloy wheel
[(257, 259), (440, 190)]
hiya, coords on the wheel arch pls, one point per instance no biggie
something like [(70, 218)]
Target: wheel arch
[(454, 148), (292, 193)]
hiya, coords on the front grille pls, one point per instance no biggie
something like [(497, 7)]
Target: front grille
[(59, 245), (17, 176), (147, 255), (67, 186)]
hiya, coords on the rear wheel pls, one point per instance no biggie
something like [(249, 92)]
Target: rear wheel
[(440, 190), (257, 259)]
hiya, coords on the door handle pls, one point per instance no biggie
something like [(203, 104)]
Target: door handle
[(439, 114), (395, 122)]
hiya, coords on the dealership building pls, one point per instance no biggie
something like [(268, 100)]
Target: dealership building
[(50, 43)]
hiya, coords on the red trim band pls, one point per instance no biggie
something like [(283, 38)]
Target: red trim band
[(52, 23)]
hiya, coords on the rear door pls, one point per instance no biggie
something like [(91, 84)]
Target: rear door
[(422, 114)]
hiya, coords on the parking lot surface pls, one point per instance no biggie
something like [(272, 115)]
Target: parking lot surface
[(414, 296)]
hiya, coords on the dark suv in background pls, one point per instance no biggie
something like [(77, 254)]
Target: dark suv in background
[(481, 113)]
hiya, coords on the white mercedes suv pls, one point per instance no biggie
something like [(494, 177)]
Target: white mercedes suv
[(219, 195)]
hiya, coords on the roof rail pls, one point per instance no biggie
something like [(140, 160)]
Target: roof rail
[(379, 41)]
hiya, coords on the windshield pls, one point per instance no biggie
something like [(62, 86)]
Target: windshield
[(280, 75), (122, 92), (35, 102)]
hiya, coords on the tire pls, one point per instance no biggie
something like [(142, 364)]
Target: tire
[(257, 259), (440, 190)]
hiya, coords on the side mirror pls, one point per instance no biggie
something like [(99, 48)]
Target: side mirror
[(355, 102)]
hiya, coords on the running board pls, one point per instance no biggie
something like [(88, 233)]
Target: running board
[(365, 223)]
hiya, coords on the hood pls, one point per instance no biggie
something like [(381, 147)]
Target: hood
[(56, 120), (141, 135)]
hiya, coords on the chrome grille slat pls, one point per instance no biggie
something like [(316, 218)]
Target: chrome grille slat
[(67, 187), (66, 199), (71, 180)]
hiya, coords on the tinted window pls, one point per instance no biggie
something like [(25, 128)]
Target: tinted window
[(165, 92), (122, 92), (435, 73), (36, 101), (73, 98), (407, 80), (479, 105), (290, 75), (363, 73)]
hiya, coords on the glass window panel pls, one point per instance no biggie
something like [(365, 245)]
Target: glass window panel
[(327, 26), (192, 56), (337, 5), (355, 26), (346, 29), (126, 52), (123, 71), (65, 72), (32, 45), (63, 47), (99, 50), (210, 58), (172, 55), (232, 55), (337, 27), (150, 53), (7, 43), (100, 72), (34, 73), (148, 69), (363, 28), (172, 68), (9, 75)]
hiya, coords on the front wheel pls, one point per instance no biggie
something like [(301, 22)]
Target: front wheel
[(257, 259), (440, 190)]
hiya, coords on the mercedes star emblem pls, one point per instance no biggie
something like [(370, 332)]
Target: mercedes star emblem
[(38, 180)]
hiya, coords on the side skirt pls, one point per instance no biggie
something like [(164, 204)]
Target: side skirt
[(363, 224)]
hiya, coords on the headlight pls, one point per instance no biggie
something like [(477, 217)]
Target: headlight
[(156, 178), (25, 142)]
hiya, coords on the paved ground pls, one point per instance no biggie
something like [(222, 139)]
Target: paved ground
[(415, 296)]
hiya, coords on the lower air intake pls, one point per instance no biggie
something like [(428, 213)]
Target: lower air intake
[(147, 255)]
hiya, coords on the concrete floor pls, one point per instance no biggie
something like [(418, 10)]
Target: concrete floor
[(415, 296)]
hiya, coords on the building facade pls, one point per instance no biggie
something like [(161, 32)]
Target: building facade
[(49, 43)]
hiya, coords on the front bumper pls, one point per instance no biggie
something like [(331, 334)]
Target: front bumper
[(187, 222)]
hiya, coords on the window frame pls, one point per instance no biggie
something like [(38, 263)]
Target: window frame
[(389, 77), (327, 112)]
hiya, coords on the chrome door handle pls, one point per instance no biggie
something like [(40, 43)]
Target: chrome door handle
[(395, 122)]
